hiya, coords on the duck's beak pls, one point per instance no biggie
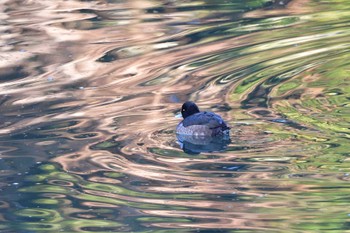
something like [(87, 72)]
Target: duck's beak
[(179, 115)]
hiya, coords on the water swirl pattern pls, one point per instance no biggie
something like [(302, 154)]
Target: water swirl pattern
[(89, 91)]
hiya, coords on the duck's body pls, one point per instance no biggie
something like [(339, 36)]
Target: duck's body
[(200, 123)]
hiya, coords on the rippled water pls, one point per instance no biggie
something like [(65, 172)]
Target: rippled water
[(89, 91)]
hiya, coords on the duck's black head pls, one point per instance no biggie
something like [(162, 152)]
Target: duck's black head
[(189, 108)]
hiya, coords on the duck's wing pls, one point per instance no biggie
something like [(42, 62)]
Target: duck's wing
[(209, 119)]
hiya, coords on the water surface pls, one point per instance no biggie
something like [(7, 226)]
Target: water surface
[(89, 91)]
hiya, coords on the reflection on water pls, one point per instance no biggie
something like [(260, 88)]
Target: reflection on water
[(192, 144), (88, 94)]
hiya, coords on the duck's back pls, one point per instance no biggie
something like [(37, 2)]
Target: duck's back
[(203, 123)]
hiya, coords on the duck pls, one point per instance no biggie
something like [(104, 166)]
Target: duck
[(197, 123)]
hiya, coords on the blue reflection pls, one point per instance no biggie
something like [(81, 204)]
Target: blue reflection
[(195, 144)]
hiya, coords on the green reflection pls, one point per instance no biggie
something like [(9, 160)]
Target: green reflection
[(293, 64), (48, 215), (55, 214), (46, 201), (155, 219)]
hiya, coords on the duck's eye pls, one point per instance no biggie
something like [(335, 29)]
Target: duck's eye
[(183, 110)]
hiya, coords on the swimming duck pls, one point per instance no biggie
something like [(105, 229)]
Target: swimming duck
[(199, 123)]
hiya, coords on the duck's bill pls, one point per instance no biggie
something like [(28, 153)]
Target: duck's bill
[(178, 115)]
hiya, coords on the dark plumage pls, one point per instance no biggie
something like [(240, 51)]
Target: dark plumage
[(200, 123)]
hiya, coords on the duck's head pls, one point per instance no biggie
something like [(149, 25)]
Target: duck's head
[(189, 108)]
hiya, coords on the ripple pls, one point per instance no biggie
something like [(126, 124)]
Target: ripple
[(87, 116)]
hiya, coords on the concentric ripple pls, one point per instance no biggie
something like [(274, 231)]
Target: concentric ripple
[(89, 91)]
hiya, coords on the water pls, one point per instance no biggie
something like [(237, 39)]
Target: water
[(89, 91)]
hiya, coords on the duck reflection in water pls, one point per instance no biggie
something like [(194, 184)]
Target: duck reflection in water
[(201, 131)]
